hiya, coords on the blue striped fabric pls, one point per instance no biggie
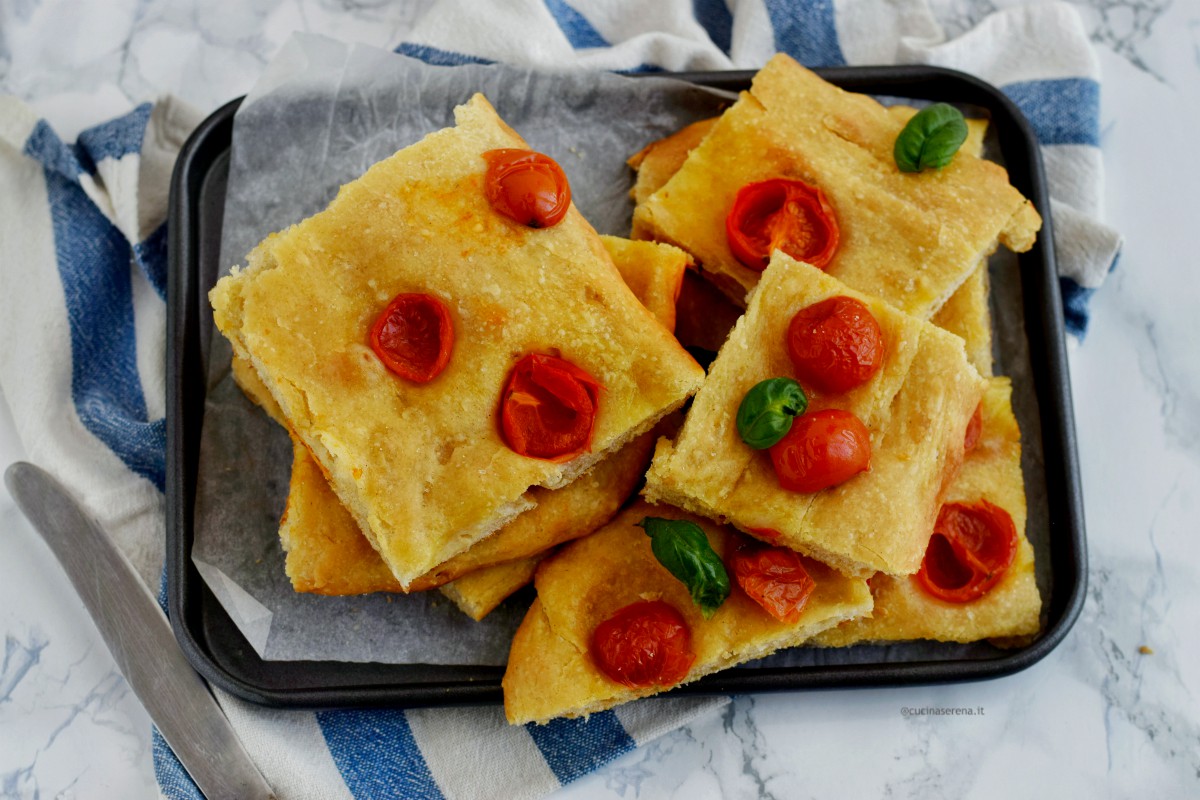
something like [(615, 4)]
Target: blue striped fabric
[(1061, 111), (806, 30), (437, 57), (93, 259), (376, 753), (714, 17), (575, 27), (574, 747)]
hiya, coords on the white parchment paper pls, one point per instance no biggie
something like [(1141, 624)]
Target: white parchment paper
[(321, 115)]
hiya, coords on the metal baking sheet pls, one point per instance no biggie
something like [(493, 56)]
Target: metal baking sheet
[(1030, 348)]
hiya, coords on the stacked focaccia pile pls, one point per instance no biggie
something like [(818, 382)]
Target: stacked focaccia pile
[(472, 378), (464, 389)]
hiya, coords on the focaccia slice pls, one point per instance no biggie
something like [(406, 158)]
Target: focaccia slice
[(910, 239), (903, 610), (422, 467), (327, 554), (916, 408), (550, 670), (478, 593)]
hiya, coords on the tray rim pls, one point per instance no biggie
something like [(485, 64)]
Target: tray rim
[(186, 589)]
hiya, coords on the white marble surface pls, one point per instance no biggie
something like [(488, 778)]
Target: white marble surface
[(1096, 718)]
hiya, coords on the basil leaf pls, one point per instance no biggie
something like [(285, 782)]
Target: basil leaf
[(766, 413), (930, 139), (683, 549)]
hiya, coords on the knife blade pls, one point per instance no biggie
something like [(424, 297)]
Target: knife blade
[(139, 638)]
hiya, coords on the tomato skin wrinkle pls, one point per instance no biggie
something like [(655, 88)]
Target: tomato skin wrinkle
[(774, 578), (548, 408), (414, 336), (781, 214), (823, 449), (835, 345), (971, 548), (644, 644), (527, 187)]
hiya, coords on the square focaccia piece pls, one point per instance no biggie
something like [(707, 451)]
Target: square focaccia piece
[(327, 553), (916, 409), (910, 239), (551, 672), (1010, 609), (423, 467)]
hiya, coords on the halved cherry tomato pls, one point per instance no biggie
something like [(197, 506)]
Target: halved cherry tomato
[(835, 345), (773, 577), (781, 214), (528, 187), (413, 337), (821, 450), (971, 548), (644, 644), (974, 428), (548, 408)]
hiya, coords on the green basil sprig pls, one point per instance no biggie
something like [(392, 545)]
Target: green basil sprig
[(930, 139), (766, 413), (683, 549)]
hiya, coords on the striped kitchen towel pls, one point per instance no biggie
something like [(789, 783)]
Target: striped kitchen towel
[(82, 319)]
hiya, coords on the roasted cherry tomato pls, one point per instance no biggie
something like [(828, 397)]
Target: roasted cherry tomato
[(528, 187), (835, 345), (781, 214), (644, 644), (974, 428), (971, 547), (773, 577), (548, 408), (414, 337), (822, 449)]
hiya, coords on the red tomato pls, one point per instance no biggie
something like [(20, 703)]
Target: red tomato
[(644, 644), (781, 214), (548, 408), (773, 577), (971, 548), (835, 345), (413, 337), (821, 450), (974, 428), (528, 187)]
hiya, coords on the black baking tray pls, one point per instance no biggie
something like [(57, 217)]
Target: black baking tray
[(221, 654)]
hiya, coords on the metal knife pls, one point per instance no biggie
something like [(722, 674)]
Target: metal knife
[(139, 638)]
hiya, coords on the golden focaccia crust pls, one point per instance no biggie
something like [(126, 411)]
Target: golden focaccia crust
[(550, 670), (967, 316), (658, 161), (326, 553), (910, 239), (478, 593), (916, 408), (903, 610), (653, 271), (422, 467)]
